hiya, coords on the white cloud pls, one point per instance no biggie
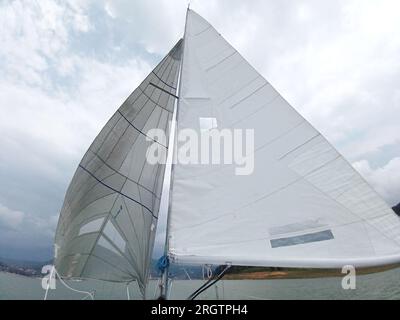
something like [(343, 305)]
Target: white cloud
[(153, 24), (35, 36), (386, 179)]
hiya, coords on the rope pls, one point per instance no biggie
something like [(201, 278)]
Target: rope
[(127, 292), (208, 284), (88, 294), (170, 288), (49, 282), (156, 288), (187, 274)]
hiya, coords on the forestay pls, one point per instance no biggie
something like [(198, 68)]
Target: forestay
[(303, 206), (108, 221)]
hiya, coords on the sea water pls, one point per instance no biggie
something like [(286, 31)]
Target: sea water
[(384, 285)]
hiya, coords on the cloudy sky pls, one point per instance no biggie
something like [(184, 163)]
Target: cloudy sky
[(65, 66)]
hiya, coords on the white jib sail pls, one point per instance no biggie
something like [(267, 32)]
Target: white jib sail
[(303, 206), (108, 221)]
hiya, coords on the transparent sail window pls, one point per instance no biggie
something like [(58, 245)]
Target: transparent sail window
[(92, 226), (103, 242), (303, 239), (112, 233)]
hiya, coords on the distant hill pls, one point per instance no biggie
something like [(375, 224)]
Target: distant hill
[(397, 209), (25, 268)]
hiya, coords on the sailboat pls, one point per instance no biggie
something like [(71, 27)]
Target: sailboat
[(303, 206)]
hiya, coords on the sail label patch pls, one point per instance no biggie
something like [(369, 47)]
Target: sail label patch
[(303, 239)]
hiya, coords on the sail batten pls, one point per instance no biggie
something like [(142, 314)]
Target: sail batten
[(303, 206), (107, 224)]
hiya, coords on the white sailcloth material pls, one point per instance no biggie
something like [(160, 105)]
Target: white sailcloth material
[(304, 205), (107, 225)]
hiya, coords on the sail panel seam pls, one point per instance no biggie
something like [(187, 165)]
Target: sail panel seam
[(115, 190)]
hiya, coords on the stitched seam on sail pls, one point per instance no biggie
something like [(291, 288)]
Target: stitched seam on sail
[(244, 86), (221, 61), (247, 97), (140, 131), (129, 179), (115, 190), (163, 80)]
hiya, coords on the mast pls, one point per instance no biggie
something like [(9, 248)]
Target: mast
[(165, 259)]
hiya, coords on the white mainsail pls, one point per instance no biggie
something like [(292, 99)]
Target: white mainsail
[(107, 225), (304, 205)]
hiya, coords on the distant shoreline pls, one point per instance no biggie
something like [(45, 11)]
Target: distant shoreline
[(249, 274)]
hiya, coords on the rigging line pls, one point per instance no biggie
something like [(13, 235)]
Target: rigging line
[(127, 292), (209, 283), (187, 274), (163, 80), (163, 90), (141, 131), (115, 190), (90, 294)]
